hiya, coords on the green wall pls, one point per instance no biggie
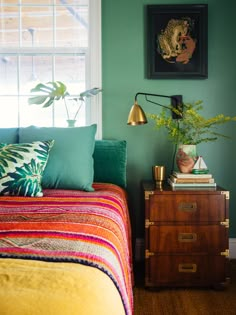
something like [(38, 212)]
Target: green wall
[(123, 48)]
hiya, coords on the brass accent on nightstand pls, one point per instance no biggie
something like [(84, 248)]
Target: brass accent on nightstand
[(148, 193), (148, 253), (187, 237), (225, 223), (148, 223), (226, 193), (225, 253), (187, 268), (187, 206)]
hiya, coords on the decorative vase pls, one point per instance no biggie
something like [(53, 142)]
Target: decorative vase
[(186, 157), (71, 122)]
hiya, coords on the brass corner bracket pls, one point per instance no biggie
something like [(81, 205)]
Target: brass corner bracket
[(225, 253), (148, 193), (148, 223), (148, 254), (226, 193), (225, 223)]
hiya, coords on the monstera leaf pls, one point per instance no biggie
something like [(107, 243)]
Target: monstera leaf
[(48, 93), (10, 155), (89, 93), (25, 180)]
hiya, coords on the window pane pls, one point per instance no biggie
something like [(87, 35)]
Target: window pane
[(9, 111), (71, 70), (34, 114), (34, 69), (8, 75), (37, 26), (9, 32), (71, 26)]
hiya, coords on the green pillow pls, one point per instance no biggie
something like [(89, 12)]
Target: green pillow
[(8, 135), (110, 160), (22, 166), (71, 159)]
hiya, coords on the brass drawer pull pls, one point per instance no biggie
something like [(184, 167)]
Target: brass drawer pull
[(187, 206), (187, 237), (187, 267)]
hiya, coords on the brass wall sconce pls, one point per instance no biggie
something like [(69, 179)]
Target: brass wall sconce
[(137, 115)]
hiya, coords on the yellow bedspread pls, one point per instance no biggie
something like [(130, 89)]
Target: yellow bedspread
[(50, 288)]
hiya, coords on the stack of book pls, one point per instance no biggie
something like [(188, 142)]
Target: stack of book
[(183, 180)]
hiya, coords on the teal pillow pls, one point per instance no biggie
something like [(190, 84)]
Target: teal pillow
[(110, 161), (22, 166), (71, 159), (8, 135)]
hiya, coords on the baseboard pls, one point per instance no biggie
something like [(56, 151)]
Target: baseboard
[(232, 248), (139, 249)]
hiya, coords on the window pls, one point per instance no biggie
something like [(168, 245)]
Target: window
[(49, 40)]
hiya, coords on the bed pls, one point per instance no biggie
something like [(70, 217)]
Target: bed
[(67, 249)]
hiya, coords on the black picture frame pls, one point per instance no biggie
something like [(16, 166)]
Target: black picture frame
[(177, 41)]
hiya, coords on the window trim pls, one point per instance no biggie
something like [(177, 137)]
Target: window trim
[(95, 63)]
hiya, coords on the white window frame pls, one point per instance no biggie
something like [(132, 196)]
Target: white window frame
[(93, 66), (95, 62)]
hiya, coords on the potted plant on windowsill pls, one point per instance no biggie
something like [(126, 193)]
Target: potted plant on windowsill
[(46, 94), (189, 131)]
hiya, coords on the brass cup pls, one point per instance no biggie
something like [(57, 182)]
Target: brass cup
[(158, 173)]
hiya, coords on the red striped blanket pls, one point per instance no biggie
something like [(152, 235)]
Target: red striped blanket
[(91, 228)]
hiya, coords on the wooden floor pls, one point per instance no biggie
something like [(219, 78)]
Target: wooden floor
[(185, 301)]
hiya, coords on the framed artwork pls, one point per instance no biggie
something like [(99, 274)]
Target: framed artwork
[(177, 41)]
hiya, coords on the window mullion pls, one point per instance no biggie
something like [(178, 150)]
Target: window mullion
[(20, 25)]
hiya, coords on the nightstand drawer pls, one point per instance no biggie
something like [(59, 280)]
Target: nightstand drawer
[(185, 270), (191, 208), (187, 239)]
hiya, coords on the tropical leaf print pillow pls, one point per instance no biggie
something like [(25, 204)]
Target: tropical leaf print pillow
[(22, 166)]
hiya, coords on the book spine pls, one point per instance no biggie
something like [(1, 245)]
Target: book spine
[(191, 184), (191, 180), (188, 175)]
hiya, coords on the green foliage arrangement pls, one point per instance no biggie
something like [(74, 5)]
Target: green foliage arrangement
[(192, 128)]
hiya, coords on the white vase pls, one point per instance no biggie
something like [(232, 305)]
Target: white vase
[(186, 157)]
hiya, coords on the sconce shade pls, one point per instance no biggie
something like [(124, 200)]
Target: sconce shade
[(136, 115)]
